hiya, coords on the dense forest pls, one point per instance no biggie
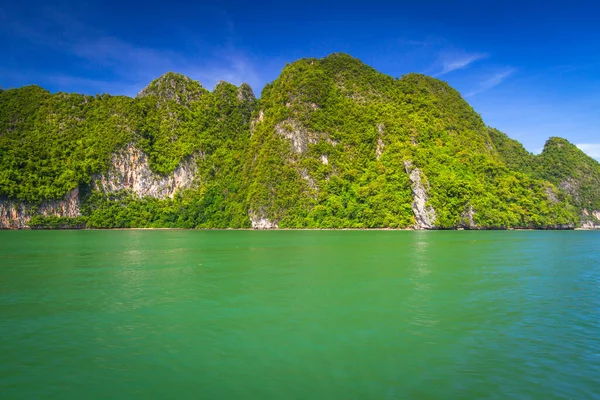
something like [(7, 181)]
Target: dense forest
[(331, 143)]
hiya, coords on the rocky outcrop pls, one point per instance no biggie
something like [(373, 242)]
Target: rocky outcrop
[(16, 215), (300, 138), (130, 170), (424, 214), (309, 180), (260, 221), (551, 195), (298, 135), (245, 93), (257, 120), (590, 219), (468, 220), (380, 143), (571, 186)]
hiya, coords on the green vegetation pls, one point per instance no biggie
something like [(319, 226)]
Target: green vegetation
[(352, 111), (512, 153), (563, 164), (50, 144), (328, 145), (560, 163)]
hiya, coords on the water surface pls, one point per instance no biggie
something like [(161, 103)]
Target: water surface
[(299, 315)]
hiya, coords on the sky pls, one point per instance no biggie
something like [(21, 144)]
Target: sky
[(530, 68)]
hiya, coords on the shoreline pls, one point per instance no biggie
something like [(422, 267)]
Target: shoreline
[(301, 229)]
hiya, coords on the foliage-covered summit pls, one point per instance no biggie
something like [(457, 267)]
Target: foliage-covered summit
[(560, 163), (174, 87), (332, 143), (53, 143), (563, 164), (365, 147)]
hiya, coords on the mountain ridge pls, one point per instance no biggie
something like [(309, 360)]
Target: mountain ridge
[(331, 143)]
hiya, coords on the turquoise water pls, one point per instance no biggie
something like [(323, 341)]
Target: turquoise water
[(299, 315)]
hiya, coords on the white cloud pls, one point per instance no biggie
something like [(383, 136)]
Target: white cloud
[(591, 149), (131, 67), (492, 81), (427, 42), (455, 60)]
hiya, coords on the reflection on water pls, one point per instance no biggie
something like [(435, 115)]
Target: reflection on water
[(421, 315), (162, 314)]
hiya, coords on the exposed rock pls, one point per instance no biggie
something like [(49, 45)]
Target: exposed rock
[(16, 215), (571, 186), (311, 182), (331, 141), (380, 143), (590, 219), (424, 214), (551, 195), (130, 170), (260, 221), (299, 136), (245, 93), (468, 220), (256, 121)]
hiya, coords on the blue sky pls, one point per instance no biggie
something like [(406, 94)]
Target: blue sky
[(530, 68)]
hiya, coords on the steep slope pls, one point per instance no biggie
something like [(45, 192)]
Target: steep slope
[(127, 158), (512, 153), (563, 164), (337, 144), (174, 87), (332, 143)]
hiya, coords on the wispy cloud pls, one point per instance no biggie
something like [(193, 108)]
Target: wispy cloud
[(492, 81), (455, 60), (427, 42), (128, 67), (591, 149)]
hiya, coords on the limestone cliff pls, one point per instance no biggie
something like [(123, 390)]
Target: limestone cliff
[(424, 214), (260, 221), (331, 143), (590, 219), (16, 215), (129, 170)]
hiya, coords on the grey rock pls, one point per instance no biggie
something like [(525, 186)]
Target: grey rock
[(260, 221), (16, 215), (130, 170), (424, 213)]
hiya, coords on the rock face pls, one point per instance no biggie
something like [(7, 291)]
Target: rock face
[(16, 215), (380, 143), (298, 135), (424, 214), (260, 221), (590, 219), (130, 170), (468, 220)]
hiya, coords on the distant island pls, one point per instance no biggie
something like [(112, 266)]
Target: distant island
[(331, 143)]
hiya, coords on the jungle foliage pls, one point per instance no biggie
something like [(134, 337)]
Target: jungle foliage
[(328, 145)]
